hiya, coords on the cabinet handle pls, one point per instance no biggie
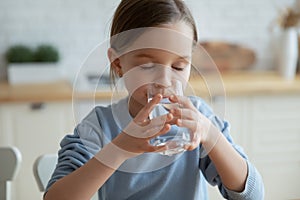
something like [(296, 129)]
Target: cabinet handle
[(218, 98), (37, 106)]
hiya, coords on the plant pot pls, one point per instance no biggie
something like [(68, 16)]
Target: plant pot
[(288, 53), (26, 73)]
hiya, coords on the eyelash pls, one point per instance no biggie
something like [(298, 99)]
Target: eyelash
[(178, 68), (147, 66), (151, 66)]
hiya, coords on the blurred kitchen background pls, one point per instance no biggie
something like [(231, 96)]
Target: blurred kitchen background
[(76, 27), (258, 54)]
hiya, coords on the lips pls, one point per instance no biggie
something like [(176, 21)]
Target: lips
[(164, 96), (165, 92)]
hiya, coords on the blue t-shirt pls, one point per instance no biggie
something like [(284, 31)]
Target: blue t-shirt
[(150, 175)]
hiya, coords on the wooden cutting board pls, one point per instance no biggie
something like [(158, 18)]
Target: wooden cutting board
[(226, 56)]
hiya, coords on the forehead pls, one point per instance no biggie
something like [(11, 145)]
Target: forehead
[(156, 55), (175, 38)]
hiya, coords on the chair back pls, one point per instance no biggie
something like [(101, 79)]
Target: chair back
[(43, 168), (10, 163)]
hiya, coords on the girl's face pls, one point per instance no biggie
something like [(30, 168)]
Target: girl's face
[(157, 58)]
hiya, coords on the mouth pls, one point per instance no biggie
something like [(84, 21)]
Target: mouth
[(166, 96), (166, 93)]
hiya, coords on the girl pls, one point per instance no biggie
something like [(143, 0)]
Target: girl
[(111, 151)]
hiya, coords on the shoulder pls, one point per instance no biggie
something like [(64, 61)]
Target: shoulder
[(102, 115), (97, 113), (96, 117), (101, 122)]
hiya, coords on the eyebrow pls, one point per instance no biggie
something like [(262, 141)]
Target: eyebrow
[(145, 55)]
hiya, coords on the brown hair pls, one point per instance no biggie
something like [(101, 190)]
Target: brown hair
[(133, 14)]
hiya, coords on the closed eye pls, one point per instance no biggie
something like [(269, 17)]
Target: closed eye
[(178, 68), (147, 66)]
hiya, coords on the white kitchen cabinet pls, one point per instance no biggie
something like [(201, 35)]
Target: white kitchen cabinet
[(35, 129), (275, 144), (268, 128), (83, 107), (234, 110)]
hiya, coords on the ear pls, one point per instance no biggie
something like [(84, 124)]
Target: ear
[(114, 61)]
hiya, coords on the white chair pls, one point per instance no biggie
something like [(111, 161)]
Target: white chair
[(43, 168), (10, 162)]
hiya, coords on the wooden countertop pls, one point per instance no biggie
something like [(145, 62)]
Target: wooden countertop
[(231, 84), (57, 91), (246, 83)]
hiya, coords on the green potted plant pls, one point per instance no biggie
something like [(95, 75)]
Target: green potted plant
[(26, 65), (19, 54), (46, 53)]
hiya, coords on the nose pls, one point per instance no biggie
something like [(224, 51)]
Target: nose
[(164, 77)]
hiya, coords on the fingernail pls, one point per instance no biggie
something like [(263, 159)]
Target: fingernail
[(179, 121)]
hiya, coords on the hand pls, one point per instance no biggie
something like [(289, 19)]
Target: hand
[(135, 138), (186, 115)]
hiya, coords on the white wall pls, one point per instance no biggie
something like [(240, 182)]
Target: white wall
[(76, 26)]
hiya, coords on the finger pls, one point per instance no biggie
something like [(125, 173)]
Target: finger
[(157, 121), (194, 132), (139, 131), (183, 101), (164, 130), (157, 125), (192, 146), (173, 121), (184, 113), (146, 110), (143, 130), (161, 120), (152, 148), (190, 124)]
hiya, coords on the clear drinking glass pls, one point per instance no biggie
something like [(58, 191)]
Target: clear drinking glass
[(178, 137)]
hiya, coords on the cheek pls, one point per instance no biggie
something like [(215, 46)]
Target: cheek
[(140, 95), (184, 77), (187, 74), (135, 79)]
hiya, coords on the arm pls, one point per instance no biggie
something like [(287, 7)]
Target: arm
[(79, 177), (230, 165), (82, 183), (214, 168), (86, 180), (226, 164)]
